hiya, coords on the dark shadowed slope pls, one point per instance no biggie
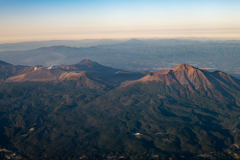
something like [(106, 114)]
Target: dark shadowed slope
[(7, 70), (4, 63)]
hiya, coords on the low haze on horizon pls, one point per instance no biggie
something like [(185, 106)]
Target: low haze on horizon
[(28, 20)]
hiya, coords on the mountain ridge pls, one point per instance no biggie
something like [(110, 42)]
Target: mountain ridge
[(85, 109), (85, 70), (183, 78), (4, 63), (183, 74), (189, 80), (154, 55)]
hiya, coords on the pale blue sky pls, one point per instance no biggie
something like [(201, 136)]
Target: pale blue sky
[(30, 20)]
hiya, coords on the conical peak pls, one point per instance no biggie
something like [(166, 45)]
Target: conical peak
[(85, 61), (186, 66), (183, 66), (134, 41)]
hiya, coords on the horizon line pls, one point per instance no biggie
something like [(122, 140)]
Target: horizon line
[(141, 38)]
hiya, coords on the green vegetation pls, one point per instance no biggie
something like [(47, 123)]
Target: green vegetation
[(162, 115), (62, 120)]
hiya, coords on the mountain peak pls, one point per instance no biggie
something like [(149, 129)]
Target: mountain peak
[(134, 41), (183, 74), (85, 61), (183, 66)]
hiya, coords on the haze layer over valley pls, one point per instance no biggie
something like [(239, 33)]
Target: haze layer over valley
[(138, 55)]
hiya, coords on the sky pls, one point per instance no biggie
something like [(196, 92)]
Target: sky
[(37, 20)]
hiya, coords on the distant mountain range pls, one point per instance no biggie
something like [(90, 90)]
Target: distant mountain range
[(22, 46), (137, 55), (93, 111)]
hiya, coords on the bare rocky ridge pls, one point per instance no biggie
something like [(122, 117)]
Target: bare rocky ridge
[(183, 78), (85, 70), (183, 75), (187, 79), (187, 75)]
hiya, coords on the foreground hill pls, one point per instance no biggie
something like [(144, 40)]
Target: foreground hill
[(181, 112)]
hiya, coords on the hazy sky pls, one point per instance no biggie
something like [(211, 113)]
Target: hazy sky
[(30, 20)]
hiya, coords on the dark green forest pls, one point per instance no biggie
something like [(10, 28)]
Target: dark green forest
[(62, 120)]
